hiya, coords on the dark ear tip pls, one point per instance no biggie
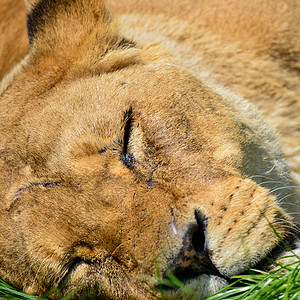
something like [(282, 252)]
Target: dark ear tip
[(35, 18), (30, 28)]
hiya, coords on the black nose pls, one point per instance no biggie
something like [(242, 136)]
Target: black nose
[(193, 259)]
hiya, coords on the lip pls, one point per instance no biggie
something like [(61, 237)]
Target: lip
[(199, 287), (201, 264), (175, 282)]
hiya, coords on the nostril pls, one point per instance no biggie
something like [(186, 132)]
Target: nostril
[(198, 240), (198, 235)]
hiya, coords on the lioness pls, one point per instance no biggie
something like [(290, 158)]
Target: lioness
[(128, 149)]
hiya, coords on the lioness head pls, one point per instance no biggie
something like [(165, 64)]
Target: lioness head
[(117, 166)]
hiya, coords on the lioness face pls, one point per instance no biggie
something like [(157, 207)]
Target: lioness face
[(112, 178)]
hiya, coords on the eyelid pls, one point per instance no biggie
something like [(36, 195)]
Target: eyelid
[(102, 151)]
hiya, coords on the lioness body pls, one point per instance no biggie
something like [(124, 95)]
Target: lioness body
[(120, 144)]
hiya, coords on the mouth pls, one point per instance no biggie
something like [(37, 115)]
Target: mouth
[(179, 282), (201, 264), (193, 275)]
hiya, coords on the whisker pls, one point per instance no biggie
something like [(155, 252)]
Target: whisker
[(265, 192), (280, 189), (23, 255), (260, 176), (270, 169), (28, 269), (270, 181), (286, 196), (291, 204), (35, 277)]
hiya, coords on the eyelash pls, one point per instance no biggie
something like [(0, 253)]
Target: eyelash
[(126, 157)]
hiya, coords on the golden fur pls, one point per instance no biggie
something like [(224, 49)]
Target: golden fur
[(127, 144)]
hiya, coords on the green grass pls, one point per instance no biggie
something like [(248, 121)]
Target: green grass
[(253, 286), (284, 283), (8, 292), (265, 286)]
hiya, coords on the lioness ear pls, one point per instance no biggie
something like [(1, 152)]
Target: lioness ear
[(61, 23)]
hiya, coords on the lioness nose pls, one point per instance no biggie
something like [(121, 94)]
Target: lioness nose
[(193, 258)]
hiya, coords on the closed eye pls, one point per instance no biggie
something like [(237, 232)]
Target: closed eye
[(46, 184), (127, 158)]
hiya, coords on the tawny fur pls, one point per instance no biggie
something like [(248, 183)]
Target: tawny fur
[(74, 214)]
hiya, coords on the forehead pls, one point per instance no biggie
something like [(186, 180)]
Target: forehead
[(150, 90)]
